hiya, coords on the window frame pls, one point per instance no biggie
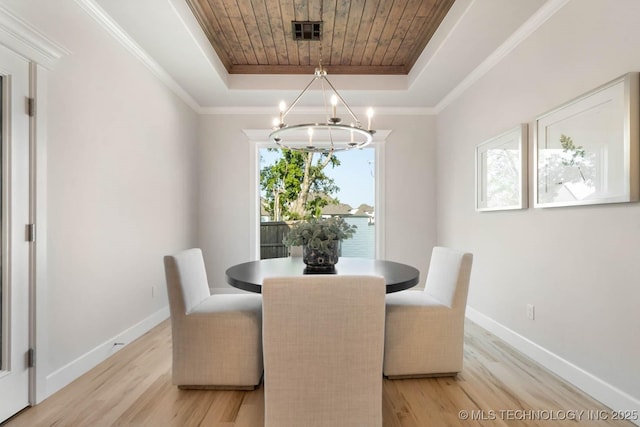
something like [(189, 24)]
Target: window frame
[(259, 139)]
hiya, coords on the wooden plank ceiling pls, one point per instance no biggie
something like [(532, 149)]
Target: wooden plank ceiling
[(358, 36)]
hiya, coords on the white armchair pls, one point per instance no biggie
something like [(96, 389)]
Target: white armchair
[(323, 347), (425, 329), (217, 339)]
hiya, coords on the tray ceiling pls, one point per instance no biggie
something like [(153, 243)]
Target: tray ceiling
[(358, 37), (166, 35)]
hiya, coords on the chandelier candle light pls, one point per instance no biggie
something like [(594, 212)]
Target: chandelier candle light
[(326, 137)]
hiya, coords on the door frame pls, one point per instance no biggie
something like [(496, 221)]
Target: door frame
[(38, 328), (15, 247), (43, 53)]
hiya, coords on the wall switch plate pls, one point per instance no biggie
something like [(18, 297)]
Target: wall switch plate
[(531, 311)]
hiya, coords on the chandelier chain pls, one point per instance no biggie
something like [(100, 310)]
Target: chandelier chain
[(327, 137)]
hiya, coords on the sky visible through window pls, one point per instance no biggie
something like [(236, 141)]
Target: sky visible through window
[(355, 176)]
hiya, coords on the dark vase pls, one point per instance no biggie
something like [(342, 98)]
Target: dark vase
[(318, 260)]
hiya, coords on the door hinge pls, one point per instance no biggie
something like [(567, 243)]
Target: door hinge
[(31, 107), (31, 233), (31, 358)]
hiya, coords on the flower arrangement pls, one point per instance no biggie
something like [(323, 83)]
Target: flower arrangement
[(319, 234)]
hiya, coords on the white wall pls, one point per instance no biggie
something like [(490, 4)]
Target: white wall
[(226, 199), (121, 193), (577, 265)]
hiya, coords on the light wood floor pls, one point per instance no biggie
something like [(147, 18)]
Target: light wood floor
[(133, 388)]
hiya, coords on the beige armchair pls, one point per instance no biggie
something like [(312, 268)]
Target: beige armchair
[(425, 329), (323, 347), (217, 339)]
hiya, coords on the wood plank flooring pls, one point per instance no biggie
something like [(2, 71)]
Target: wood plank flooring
[(498, 387)]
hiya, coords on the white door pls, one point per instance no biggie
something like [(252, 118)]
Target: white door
[(14, 249)]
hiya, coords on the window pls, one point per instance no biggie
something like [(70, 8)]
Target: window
[(346, 188), (258, 145)]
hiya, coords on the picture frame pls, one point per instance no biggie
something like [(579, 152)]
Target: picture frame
[(586, 151), (501, 171)]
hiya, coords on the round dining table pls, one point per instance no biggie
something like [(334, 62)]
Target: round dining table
[(250, 275)]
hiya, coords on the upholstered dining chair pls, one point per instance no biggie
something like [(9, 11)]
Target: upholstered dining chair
[(323, 345), (424, 333), (217, 339)]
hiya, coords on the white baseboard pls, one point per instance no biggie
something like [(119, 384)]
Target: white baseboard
[(600, 390), (71, 371)]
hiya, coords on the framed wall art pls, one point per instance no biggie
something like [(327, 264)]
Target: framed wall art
[(586, 151), (501, 171)]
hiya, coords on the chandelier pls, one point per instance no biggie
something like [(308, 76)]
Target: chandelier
[(322, 137)]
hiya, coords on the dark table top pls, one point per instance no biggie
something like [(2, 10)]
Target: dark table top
[(249, 275)]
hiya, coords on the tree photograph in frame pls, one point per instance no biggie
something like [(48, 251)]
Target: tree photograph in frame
[(501, 170), (586, 151)]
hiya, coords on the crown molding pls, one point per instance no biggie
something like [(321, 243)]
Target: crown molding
[(542, 15), (24, 39), (273, 111), (103, 18)]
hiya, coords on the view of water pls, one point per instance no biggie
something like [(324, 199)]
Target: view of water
[(356, 181), (363, 243)]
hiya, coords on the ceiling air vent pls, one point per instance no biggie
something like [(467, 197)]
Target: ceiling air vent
[(306, 30)]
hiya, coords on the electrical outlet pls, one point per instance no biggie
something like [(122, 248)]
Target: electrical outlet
[(531, 311)]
